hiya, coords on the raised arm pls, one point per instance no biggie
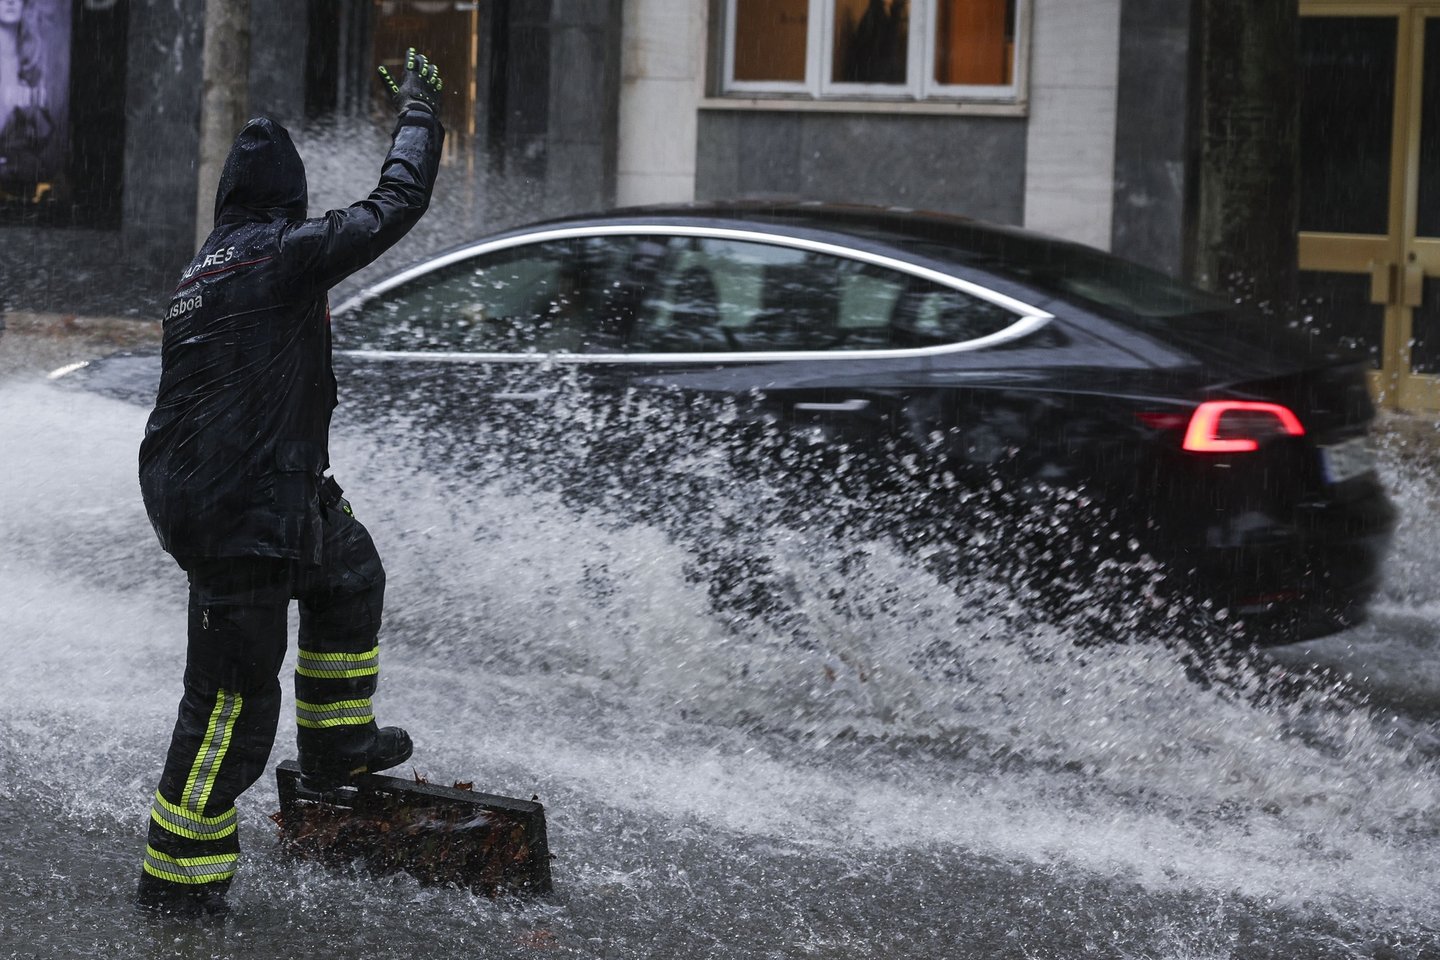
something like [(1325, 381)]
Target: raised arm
[(322, 251)]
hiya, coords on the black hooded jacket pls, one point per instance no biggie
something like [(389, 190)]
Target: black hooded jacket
[(237, 442)]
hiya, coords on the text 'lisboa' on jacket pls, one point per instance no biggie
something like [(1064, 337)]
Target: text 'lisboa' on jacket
[(238, 439)]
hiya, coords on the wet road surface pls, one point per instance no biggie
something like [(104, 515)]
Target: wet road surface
[(712, 793)]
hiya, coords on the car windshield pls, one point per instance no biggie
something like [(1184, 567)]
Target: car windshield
[(1081, 275)]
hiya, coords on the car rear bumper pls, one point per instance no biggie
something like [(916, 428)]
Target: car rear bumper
[(1305, 579)]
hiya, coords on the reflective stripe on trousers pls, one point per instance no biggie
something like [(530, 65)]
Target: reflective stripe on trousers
[(186, 845), (231, 706), (345, 713), (338, 666), (189, 824), (190, 870), (212, 750)]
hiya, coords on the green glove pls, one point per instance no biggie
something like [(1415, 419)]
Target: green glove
[(419, 86)]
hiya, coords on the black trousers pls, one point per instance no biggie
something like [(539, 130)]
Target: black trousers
[(231, 705)]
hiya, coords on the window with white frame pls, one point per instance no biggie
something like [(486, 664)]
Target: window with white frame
[(882, 49)]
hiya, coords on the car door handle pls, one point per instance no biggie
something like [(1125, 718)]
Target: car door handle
[(844, 406)]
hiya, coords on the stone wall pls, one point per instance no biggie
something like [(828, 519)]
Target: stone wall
[(130, 269), (974, 166), (1154, 182)]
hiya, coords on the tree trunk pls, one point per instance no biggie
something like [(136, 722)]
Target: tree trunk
[(224, 100), (1245, 239)]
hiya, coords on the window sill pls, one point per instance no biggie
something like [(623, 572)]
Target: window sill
[(948, 108)]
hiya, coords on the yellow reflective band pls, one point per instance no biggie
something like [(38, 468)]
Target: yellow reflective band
[(318, 716), (193, 826), (212, 751), (338, 666), (204, 750), (190, 869)]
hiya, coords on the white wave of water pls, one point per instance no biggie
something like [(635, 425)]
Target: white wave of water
[(540, 650)]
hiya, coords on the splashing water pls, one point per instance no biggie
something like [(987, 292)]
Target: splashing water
[(876, 759)]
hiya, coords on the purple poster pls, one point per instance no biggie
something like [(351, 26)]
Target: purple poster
[(34, 91)]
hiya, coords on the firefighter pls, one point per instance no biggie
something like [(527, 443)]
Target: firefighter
[(233, 472)]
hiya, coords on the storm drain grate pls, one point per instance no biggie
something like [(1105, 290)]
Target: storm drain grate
[(439, 835)]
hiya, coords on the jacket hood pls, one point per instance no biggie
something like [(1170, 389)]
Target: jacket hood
[(264, 177)]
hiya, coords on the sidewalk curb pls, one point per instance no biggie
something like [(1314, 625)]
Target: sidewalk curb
[(121, 330), (33, 344)]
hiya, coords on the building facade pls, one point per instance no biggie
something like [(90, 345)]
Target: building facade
[(1279, 150), (1029, 139)]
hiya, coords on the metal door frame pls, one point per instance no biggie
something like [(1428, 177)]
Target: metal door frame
[(1397, 261)]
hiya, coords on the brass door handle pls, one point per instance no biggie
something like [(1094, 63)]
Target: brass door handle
[(1382, 282), (1414, 284)]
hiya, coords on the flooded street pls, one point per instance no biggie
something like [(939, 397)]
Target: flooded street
[(715, 792), (758, 409)]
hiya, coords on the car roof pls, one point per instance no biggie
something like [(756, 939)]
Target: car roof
[(1030, 259), (1003, 254), (1072, 281)]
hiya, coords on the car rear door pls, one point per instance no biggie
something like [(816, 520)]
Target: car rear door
[(834, 341), (544, 333)]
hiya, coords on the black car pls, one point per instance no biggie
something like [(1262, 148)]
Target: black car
[(1231, 445)]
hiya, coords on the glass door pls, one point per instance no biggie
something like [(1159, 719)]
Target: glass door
[(1420, 265), (1370, 187), (447, 32)]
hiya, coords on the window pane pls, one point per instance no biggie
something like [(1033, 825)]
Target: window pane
[(712, 296), (867, 302), (681, 312), (705, 295), (1347, 90), (563, 296), (872, 41), (770, 38), (932, 315), (975, 42), (1428, 212), (1425, 344)]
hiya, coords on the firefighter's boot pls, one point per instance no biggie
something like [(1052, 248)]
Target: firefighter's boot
[(325, 770), (164, 900)]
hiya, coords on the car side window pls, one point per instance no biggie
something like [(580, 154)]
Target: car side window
[(931, 315), (707, 295), (552, 297)]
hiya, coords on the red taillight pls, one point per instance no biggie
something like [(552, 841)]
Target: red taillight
[(1238, 426)]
